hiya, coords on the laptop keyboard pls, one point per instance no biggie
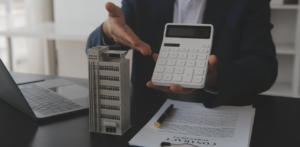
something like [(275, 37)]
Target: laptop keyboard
[(44, 101)]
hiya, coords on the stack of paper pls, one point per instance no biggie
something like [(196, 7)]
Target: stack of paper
[(192, 123)]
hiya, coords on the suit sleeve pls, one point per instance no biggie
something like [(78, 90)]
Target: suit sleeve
[(255, 70), (95, 38)]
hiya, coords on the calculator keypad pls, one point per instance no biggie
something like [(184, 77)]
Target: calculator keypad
[(182, 65)]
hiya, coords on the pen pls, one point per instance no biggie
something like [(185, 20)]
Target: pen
[(163, 116)]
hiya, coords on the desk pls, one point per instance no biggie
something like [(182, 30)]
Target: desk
[(277, 122)]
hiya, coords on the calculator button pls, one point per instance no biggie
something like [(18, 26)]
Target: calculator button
[(202, 56), (173, 55), (171, 62), (169, 69), (162, 61), (184, 49), (164, 54), (157, 76), (177, 78), (188, 74), (192, 56), (194, 50), (198, 71), (181, 62), (204, 46), (160, 69), (179, 70), (198, 79), (191, 63), (203, 50), (182, 55), (200, 64), (165, 49), (174, 49), (167, 77)]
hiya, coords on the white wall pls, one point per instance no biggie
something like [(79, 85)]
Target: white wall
[(72, 61), (81, 11)]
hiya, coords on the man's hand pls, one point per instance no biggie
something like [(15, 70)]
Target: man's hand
[(212, 74), (116, 29), (211, 78)]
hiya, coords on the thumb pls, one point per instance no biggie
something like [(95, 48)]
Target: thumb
[(155, 56), (212, 60), (113, 10)]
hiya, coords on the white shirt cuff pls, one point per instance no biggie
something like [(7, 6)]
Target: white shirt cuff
[(212, 90)]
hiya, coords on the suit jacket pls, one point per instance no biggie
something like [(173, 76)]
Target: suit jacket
[(242, 42)]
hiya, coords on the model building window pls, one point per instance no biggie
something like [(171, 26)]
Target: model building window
[(110, 68), (111, 88), (109, 97), (110, 107), (109, 78), (107, 116), (110, 129)]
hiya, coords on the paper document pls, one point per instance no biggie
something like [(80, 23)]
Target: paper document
[(224, 126)]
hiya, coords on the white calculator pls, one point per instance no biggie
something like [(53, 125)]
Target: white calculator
[(183, 57)]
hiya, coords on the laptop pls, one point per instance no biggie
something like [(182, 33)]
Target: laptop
[(45, 99)]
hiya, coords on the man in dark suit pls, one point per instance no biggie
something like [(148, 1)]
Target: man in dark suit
[(243, 61)]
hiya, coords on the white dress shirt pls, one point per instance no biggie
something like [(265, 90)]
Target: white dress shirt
[(189, 11)]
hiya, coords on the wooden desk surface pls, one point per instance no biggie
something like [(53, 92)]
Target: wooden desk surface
[(277, 122)]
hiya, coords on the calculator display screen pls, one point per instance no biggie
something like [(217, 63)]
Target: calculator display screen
[(202, 32)]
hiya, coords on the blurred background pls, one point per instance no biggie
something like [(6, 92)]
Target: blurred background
[(49, 37), (27, 49)]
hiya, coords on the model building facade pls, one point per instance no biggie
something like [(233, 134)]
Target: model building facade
[(109, 93)]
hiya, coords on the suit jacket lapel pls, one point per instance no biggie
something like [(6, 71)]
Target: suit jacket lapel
[(215, 11)]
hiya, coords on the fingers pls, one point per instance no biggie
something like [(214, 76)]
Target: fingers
[(212, 63), (155, 56), (212, 60), (178, 89), (212, 74), (125, 36), (173, 89), (134, 43), (160, 88), (138, 44), (121, 33), (113, 10), (144, 48)]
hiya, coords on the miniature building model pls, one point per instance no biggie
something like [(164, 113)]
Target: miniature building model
[(109, 91)]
